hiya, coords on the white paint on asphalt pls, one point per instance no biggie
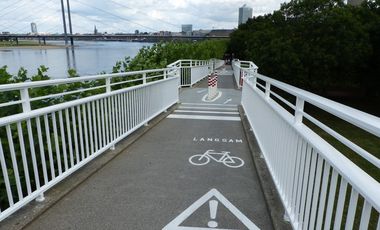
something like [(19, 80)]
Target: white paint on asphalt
[(223, 157), (210, 112), (217, 139), (215, 195), (227, 101), (208, 104), (204, 98), (201, 117), (208, 108)]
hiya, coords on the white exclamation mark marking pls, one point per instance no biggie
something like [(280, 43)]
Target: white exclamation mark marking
[(213, 208)]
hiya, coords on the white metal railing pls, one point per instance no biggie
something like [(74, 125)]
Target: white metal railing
[(319, 186), (41, 147), (239, 73), (192, 71)]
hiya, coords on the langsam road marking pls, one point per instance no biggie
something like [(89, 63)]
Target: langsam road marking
[(216, 197)]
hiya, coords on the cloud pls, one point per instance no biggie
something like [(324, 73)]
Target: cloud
[(127, 16)]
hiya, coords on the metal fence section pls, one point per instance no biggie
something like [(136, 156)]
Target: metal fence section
[(319, 186), (41, 147), (239, 73), (192, 71)]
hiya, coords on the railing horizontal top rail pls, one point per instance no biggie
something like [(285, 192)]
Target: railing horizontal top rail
[(33, 84), (361, 119), (38, 112)]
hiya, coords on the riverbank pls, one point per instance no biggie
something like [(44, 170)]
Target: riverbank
[(28, 45)]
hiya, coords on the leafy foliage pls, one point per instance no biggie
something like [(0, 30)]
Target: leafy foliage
[(320, 45)]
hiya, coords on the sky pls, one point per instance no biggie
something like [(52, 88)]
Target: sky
[(127, 16)]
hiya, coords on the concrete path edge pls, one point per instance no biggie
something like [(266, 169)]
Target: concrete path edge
[(272, 198), (33, 210)]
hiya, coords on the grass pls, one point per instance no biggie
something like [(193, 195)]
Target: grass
[(365, 140), (20, 43)]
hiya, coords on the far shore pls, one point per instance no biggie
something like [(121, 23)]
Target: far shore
[(34, 47), (29, 45)]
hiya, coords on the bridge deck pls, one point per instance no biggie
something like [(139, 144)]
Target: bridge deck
[(156, 183)]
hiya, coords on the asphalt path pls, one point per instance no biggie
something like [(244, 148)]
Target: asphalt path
[(191, 171)]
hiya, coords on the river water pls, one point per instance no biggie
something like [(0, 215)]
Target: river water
[(87, 57)]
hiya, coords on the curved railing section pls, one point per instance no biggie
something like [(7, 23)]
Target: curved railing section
[(319, 186), (240, 68), (192, 71)]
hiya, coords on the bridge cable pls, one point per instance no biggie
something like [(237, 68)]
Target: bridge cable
[(117, 16), (122, 5)]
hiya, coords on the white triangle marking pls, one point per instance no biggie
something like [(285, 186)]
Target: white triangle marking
[(174, 224)]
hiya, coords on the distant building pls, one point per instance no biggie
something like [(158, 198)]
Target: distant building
[(244, 14), (187, 29), (34, 28), (354, 2), (95, 30)]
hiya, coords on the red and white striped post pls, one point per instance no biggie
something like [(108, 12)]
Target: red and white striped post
[(212, 86)]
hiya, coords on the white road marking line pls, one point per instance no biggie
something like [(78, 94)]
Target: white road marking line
[(207, 104), (200, 117), (215, 195), (227, 101), (208, 108), (211, 112)]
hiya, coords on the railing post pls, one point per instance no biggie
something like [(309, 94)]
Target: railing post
[(108, 84), (24, 93), (267, 90), (165, 74), (144, 78), (299, 110)]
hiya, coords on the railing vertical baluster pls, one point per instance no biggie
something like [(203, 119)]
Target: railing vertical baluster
[(85, 130), (144, 78), (365, 216), (331, 199), (50, 149), (14, 161), (34, 160), (351, 210), (90, 128), (23, 156), (108, 85), (42, 150), (323, 195), (267, 90), (56, 142), (298, 114), (99, 128), (5, 176), (340, 206), (76, 144), (63, 138), (104, 122), (69, 137), (95, 120), (107, 119), (24, 94), (317, 184), (82, 150)]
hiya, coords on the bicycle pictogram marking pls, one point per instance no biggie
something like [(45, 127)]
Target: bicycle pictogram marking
[(220, 157)]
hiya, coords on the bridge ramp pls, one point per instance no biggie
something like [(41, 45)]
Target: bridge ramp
[(161, 182)]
